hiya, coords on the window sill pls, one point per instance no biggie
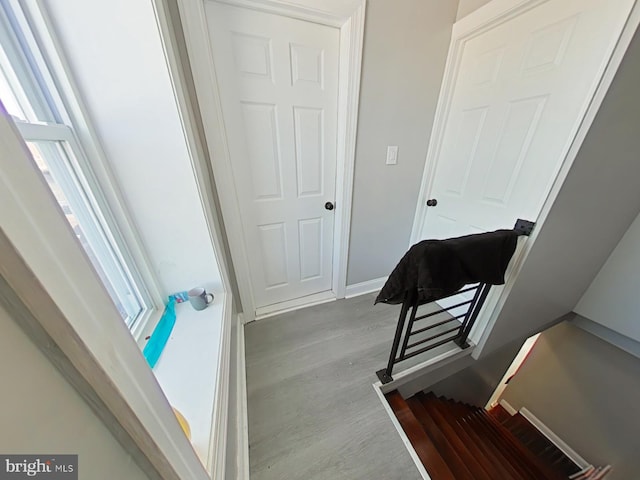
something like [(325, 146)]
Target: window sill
[(145, 326), (188, 368)]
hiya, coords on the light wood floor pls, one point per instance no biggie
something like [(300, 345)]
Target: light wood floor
[(313, 413)]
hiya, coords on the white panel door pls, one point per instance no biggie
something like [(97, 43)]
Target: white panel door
[(521, 90), (278, 79)]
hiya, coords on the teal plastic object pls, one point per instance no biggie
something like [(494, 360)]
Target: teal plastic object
[(160, 336)]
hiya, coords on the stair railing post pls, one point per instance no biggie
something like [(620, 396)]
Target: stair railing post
[(407, 335), (473, 312), (385, 374), (467, 315)]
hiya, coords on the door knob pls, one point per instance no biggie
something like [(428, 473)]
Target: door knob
[(432, 203), (329, 206)]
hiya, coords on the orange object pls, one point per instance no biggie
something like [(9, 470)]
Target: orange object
[(183, 423)]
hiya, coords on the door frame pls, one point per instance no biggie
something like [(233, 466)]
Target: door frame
[(349, 19), (485, 18)]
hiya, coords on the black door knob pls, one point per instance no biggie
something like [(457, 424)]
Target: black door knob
[(432, 203), (329, 206)]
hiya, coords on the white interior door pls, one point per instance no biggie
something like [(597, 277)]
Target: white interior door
[(520, 92), (278, 79)]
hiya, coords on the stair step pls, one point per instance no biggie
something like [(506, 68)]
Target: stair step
[(499, 446), (446, 419), (459, 441), (445, 446), (490, 443), (500, 413), (422, 444), (540, 445), (496, 456), (494, 443), (532, 462), (489, 469)]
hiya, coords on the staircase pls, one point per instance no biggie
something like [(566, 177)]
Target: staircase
[(456, 441)]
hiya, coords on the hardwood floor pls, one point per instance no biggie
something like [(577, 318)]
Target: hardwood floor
[(313, 413), (455, 440)]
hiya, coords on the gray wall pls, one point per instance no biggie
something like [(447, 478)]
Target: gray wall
[(612, 298), (466, 7), (405, 48), (42, 414), (476, 383), (594, 208), (587, 392)]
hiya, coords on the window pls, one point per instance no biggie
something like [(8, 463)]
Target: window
[(29, 94)]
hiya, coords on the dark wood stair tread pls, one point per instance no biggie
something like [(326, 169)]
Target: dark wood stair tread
[(540, 445), (424, 447), (532, 462), (458, 441), (483, 460), (450, 451), (490, 443), (499, 445), (500, 413)]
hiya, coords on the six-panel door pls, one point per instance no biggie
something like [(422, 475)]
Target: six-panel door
[(519, 94), (278, 78)]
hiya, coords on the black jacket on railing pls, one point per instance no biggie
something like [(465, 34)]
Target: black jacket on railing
[(438, 268)]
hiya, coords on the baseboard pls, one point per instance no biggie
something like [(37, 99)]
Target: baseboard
[(507, 406), (295, 304), (363, 288), (405, 440), (216, 460), (624, 343), (242, 447), (557, 441)]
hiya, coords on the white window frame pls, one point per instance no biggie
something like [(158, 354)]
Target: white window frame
[(35, 231), (42, 265), (92, 168)]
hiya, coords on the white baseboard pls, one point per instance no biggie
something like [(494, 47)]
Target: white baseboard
[(242, 447), (363, 288), (405, 440), (547, 432), (217, 456), (507, 406), (295, 304), (557, 441)]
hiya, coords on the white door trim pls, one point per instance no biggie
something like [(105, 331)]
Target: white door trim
[(351, 27), (486, 17)]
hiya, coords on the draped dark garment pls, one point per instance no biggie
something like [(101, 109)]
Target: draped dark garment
[(439, 268)]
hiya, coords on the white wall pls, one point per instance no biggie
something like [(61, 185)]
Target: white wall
[(613, 298), (42, 414), (116, 58), (405, 49)]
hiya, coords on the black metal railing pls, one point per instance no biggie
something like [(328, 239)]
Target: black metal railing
[(420, 336), (409, 342)]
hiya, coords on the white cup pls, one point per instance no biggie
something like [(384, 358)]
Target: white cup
[(199, 298)]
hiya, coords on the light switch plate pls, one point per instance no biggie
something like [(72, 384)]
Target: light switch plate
[(392, 155)]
